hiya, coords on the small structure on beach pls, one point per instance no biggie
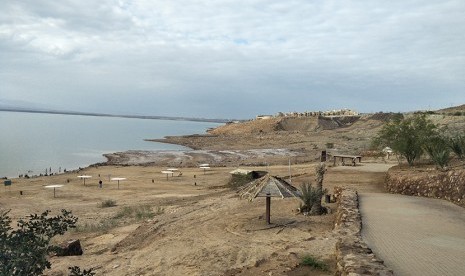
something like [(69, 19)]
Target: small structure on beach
[(118, 179), (205, 168), (241, 177), (167, 173), (84, 177), (53, 187), (268, 186)]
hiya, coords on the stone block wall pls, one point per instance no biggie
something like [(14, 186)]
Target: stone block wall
[(448, 185), (353, 255)]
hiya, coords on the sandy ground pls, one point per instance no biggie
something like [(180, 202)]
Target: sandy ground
[(202, 229)]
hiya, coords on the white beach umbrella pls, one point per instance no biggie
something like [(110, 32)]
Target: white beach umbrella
[(84, 177), (118, 179), (204, 168), (53, 187), (167, 173)]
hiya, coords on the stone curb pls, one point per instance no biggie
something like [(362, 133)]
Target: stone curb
[(353, 256)]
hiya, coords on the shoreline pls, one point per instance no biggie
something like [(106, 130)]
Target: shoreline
[(148, 117)]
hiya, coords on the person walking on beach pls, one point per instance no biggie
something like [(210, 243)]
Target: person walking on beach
[(100, 184)]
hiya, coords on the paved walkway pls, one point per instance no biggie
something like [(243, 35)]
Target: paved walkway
[(415, 235)]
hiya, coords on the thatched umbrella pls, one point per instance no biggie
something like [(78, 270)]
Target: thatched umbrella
[(268, 186)]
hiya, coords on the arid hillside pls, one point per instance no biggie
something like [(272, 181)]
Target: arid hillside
[(306, 137)]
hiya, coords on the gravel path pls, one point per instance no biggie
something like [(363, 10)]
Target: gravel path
[(415, 235)]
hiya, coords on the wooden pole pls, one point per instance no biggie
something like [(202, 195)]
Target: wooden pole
[(268, 205)]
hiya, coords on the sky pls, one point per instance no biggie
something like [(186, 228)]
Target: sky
[(232, 58)]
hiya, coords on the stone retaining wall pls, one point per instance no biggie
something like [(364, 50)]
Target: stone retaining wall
[(448, 185), (352, 254)]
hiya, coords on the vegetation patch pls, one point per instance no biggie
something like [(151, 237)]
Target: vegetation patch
[(24, 250), (108, 203), (127, 215), (412, 137), (239, 180), (313, 262)]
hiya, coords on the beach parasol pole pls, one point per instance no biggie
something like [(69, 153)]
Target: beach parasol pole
[(268, 208)]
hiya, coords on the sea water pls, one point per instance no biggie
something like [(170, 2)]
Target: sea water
[(33, 143)]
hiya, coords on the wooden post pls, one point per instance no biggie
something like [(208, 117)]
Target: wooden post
[(268, 205)]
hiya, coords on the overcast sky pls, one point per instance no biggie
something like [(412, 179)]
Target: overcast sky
[(232, 58)]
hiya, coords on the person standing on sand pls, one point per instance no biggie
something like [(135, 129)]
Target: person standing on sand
[(100, 184)]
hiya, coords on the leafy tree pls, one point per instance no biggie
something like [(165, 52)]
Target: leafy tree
[(24, 250), (407, 136)]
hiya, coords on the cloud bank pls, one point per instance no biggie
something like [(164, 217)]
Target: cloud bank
[(233, 58)]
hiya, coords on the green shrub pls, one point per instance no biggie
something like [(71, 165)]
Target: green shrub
[(311, 261), (457, 145), (138, 212), (126, 212), (24, 250), (239, 180), (310, 195), (438, 151), (76, 271), (103, 226), (108, 203), (143, 212)]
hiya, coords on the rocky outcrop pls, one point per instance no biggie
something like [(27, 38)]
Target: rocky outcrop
[(335, 122), (428, 183), (353, 255), (70, 248)]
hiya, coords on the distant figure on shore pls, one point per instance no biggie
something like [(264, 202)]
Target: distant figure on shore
[(100, 184)]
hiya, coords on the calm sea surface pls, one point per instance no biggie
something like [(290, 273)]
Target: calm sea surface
[(31, 143)]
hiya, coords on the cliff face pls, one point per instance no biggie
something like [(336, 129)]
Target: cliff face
[(428, 183), (289, 124)]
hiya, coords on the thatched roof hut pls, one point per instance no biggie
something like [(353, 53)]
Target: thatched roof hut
[(268, 186)]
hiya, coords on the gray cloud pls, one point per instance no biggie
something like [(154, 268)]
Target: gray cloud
[(233, 58)]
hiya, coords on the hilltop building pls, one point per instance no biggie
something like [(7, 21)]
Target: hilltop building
[(329, 113)]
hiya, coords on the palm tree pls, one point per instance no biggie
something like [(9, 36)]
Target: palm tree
[(320, 170)]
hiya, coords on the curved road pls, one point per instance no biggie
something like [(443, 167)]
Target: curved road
[(415, 235)]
